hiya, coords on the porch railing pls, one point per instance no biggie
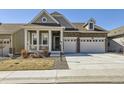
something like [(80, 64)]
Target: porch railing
[(34, 47)]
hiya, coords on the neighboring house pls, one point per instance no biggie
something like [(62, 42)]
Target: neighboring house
[(51, 31), (116, 40)]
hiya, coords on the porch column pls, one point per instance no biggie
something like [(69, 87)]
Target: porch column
[(11, 41), (50, 39), (61, 40), (38, 39), (11, 45), (26, 39)]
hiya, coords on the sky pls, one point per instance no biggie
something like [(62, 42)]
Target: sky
[(106, 18)]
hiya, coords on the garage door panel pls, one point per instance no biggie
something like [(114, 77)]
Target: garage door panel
[(86, 44), (70, 44), (92, 45), (6, 44)]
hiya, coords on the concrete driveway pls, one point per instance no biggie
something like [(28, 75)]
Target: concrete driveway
[(95, 61), (83, 68)]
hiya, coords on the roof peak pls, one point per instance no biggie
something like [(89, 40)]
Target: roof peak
[(56, 13), (92, 20)]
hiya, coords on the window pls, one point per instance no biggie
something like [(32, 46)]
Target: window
[(44, 38), (4, 42), (44, 19), (7, 42), (34, 38), (108, 44), (91, 27)]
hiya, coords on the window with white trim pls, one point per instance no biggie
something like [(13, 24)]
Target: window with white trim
[(91, 23), (44, 38), (91, 26), (34, 38), (44, 19)]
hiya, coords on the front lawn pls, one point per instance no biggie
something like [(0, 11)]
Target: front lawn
[(27, 64)]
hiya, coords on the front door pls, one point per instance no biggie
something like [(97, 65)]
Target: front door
[(57, 43)]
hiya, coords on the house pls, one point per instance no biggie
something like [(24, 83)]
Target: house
[(116, 40), (55, 32)]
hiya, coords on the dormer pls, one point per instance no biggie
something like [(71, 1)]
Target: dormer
[(91, 22)]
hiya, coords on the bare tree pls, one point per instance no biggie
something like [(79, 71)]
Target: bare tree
[(2, 47), (122, 41)]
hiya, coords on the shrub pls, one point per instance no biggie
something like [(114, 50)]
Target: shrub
[(24, 53), (45, 52)]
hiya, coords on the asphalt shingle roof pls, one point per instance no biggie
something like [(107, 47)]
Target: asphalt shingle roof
[(62, 20), (81, 26), (55, 13), (10, 28), (116, 32)]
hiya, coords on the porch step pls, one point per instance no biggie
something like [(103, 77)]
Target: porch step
[(55, 54)]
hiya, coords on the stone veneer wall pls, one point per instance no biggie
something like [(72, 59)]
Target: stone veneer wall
[(75, 34), (5, 36)]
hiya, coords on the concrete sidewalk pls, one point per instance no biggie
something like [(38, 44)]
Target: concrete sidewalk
[(63, 76)]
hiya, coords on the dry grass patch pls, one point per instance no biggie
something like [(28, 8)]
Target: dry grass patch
[(27, 64)]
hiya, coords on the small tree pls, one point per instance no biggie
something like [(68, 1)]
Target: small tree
[(122, 41)]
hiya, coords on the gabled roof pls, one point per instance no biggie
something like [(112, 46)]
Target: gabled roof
[(59, 21), (99, 28), (92, 20), (63, 21), (56, 13), (10, 28), (81, 27), (116, 32), (44, 11)]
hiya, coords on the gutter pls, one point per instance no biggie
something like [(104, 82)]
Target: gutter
[(87, 31)]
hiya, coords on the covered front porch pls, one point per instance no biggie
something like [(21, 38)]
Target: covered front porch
[(44, 38)]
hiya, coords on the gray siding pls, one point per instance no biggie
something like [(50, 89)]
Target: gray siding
[(115, 45), (18, 41), (49, 20), (5, 36)]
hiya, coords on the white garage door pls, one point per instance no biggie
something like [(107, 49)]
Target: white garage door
[(6, 44), (70, 44), (92, 45)]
